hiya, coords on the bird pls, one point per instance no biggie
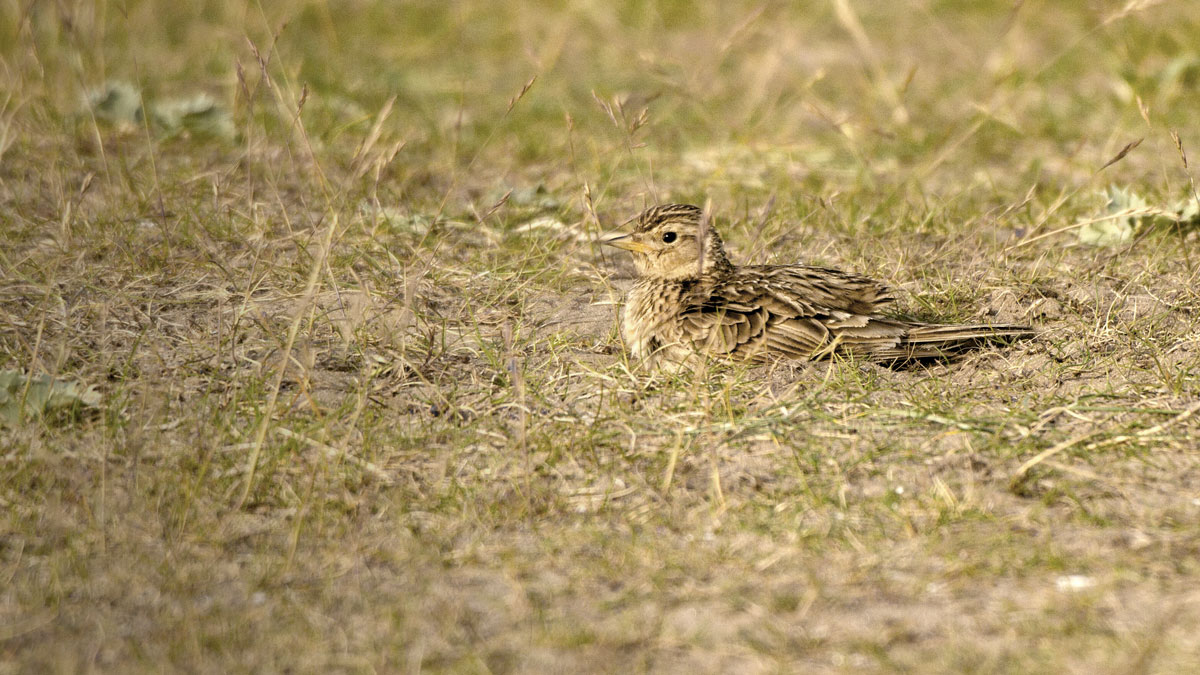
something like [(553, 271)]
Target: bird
[(690, 302)]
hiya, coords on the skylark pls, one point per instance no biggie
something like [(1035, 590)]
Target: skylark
[(689, 299)]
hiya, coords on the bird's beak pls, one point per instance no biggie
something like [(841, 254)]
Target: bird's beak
[(625, 241)]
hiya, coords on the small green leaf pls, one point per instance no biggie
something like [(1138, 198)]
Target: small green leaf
[(1188, 211), (117, 103), (22, 397), (1111, 232), (120, 104), (199, 117), (1126, 213), (1122, 212)]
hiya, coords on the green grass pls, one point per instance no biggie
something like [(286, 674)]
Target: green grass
[(364, 403)]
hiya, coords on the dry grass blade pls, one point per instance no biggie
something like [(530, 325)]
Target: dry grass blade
[(851, 23), (360, 165), (512, 102), (1157, 429), (702, 232), (495, 207), (612, 117), (1183, 158), (1123, 213), (1121, 155), (303, 308), (339, 455), (1050, 452)]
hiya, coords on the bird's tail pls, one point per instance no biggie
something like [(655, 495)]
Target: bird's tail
[(927, 340)]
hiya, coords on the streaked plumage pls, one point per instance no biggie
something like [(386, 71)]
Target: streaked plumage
[(690, 299)]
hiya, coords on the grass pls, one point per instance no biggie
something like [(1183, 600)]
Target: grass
[(365, 406)]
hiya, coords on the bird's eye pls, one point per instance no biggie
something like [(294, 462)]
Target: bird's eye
[(668, 237)]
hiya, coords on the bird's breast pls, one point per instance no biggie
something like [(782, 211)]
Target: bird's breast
[(651, 316)]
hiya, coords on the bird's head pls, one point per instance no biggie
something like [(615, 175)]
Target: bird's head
[(671, 242)]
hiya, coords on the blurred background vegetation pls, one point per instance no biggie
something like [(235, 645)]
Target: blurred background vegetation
[(886, 93)]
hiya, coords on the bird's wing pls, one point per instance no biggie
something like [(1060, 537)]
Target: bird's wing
[(828, 290), (791, 310)]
